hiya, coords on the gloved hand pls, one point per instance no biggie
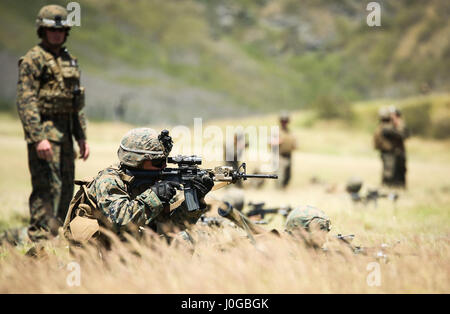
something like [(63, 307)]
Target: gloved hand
[(202, 185), (165, 190)]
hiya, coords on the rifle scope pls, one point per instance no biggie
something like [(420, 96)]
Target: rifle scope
[(185, 160)]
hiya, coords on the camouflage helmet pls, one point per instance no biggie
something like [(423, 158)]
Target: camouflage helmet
[(394, 110), (143, 144), (284, 116), (354, 184), (384, 114), (52, 16), (305, 217)]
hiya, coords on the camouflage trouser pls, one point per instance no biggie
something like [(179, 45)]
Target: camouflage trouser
[(284, 171), (400, 170), (52, 184), (394, 169)]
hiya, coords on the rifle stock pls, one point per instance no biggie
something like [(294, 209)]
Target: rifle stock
[(227, 211)]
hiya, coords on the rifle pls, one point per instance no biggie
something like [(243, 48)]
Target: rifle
[(258, 209), (372, 195), (188, 169), (377, 251), (239, 219), (347, 239)]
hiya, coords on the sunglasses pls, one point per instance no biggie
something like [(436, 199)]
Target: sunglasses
[(53, 30), (159, 163)]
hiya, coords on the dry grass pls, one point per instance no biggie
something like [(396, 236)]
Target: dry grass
[(224, 261)]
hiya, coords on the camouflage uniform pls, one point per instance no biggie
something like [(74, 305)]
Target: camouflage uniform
[(389, 140), (400, 156), (49, 103), (287, 146), (123, 203)]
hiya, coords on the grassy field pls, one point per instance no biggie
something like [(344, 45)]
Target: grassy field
[(416, 228)]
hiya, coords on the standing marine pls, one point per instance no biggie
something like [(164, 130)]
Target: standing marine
[(400, 157), (50, 102), (389, 139), (286, 145)]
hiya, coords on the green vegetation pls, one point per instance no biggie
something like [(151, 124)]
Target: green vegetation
[(426, 116), (333, 108), (6, 106), (262, 55)]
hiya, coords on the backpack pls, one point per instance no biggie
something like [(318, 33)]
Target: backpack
[(83, 216)]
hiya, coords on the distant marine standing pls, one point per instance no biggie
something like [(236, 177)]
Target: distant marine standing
[(389, 139), (286, 145), (50, 102)]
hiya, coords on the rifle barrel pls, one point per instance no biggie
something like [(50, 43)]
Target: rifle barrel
[(262, 176), (262, 211)]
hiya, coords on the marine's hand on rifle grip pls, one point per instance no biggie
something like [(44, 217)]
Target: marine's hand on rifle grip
[(202, 185), (165, 190)]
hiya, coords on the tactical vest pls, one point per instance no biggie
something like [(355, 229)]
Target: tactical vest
[(84, 220), (380, 142), (288, 143), (60, 91)]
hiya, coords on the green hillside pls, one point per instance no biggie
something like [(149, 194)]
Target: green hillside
[(210, 57)]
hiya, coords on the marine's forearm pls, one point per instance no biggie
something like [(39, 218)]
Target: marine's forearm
[(27, 104), (121, 210), (80, 126)]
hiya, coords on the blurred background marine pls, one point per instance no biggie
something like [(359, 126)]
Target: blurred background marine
[(400, 156), (389, 139), (286, 145), (49, 103)]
